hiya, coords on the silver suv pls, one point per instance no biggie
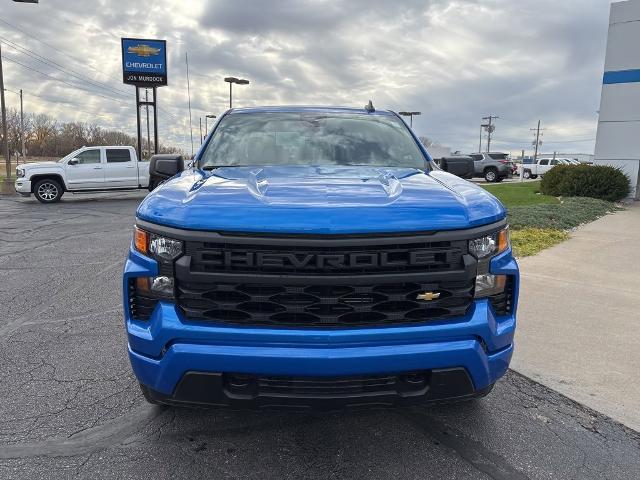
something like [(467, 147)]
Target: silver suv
[(493, 166)]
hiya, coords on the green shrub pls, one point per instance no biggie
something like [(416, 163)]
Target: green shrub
[(595, 181), (571, 213)]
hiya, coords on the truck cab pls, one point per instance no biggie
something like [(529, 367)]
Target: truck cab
[(315, 257), (86, 169)]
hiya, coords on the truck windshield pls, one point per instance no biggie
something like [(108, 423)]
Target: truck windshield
[(309, 138)]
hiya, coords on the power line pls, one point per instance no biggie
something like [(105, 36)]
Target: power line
[(64, 69), (36, 56), (60, 80), (75, 59)]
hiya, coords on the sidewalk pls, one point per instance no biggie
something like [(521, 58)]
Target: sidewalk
[(579, 317)]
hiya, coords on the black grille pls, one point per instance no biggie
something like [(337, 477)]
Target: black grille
[(323, 305), (324, 281), (343, 260), (140, 306)]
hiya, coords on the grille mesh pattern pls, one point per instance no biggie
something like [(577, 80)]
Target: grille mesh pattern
[(323, 305)]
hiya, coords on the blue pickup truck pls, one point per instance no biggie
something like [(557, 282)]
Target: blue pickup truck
[(317, 258)]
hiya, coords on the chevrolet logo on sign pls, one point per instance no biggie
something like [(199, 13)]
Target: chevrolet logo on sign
[(143, 50), (428, 296)]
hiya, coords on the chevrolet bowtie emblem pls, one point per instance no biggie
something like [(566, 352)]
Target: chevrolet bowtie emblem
[(143, 50), (428, 296)]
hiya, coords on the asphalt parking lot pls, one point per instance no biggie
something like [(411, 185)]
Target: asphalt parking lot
[(70, 406)]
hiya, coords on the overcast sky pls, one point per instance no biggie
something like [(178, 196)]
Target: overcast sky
[(455, 61)]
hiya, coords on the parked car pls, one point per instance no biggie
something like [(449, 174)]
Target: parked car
[(542, 166), (316, 257), (493, 166), (86, 169), (460, 165)]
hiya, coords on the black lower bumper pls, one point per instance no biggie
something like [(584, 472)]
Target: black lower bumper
[(252, 392)]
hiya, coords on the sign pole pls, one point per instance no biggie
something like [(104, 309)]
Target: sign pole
[(138, 123), (155, 121)]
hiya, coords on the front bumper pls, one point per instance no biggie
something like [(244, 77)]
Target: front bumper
[(168, 350), (22, 186)]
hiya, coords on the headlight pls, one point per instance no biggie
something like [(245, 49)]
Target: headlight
[(490, 245), (161, 248), (19, 172)]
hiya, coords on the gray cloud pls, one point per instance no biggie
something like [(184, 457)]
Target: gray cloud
[(453, 60)]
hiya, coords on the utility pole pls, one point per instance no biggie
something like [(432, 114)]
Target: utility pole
[(22, 128), (200, 118), (490, 129), (5, 139), (146, 99), (537, 142), (480, 143)]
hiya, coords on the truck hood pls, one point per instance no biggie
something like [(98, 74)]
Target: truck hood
[(322, 200), (28, 166)]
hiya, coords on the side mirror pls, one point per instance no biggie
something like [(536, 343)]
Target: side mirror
[(73, 161), (461, 166), (164, 166)]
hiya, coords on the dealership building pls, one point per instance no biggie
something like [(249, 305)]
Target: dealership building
[(618, 138)]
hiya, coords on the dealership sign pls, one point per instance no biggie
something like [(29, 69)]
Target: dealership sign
[(144, 62)]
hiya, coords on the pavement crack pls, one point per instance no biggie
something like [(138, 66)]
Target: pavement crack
[(471, 451), (86, 441)]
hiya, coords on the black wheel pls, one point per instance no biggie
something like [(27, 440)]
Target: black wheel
[(48, 190), (491, 175), (148, 397), (526, 174)]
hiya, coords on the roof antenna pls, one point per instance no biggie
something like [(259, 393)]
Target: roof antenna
[(369, 107)]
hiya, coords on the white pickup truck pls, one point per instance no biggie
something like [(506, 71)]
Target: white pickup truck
[(542, 166), (86, 169)]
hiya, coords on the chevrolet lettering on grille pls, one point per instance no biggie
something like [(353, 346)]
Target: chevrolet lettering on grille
[(355, 260)]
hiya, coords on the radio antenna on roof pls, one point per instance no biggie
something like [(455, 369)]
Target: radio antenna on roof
[(369, 107)]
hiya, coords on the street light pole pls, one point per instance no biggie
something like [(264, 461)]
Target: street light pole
[(5, 139), (410, 115), (231, 81), (206, 125)]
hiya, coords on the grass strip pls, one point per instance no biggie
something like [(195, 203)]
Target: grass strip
[(530, 241)]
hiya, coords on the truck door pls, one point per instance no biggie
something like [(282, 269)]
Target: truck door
[(85, 170), (120, 169), (543, 166)]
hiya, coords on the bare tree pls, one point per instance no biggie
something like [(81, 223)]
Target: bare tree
[(47, 138)]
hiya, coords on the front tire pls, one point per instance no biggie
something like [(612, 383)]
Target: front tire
[(490, 175), (48, 190)]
